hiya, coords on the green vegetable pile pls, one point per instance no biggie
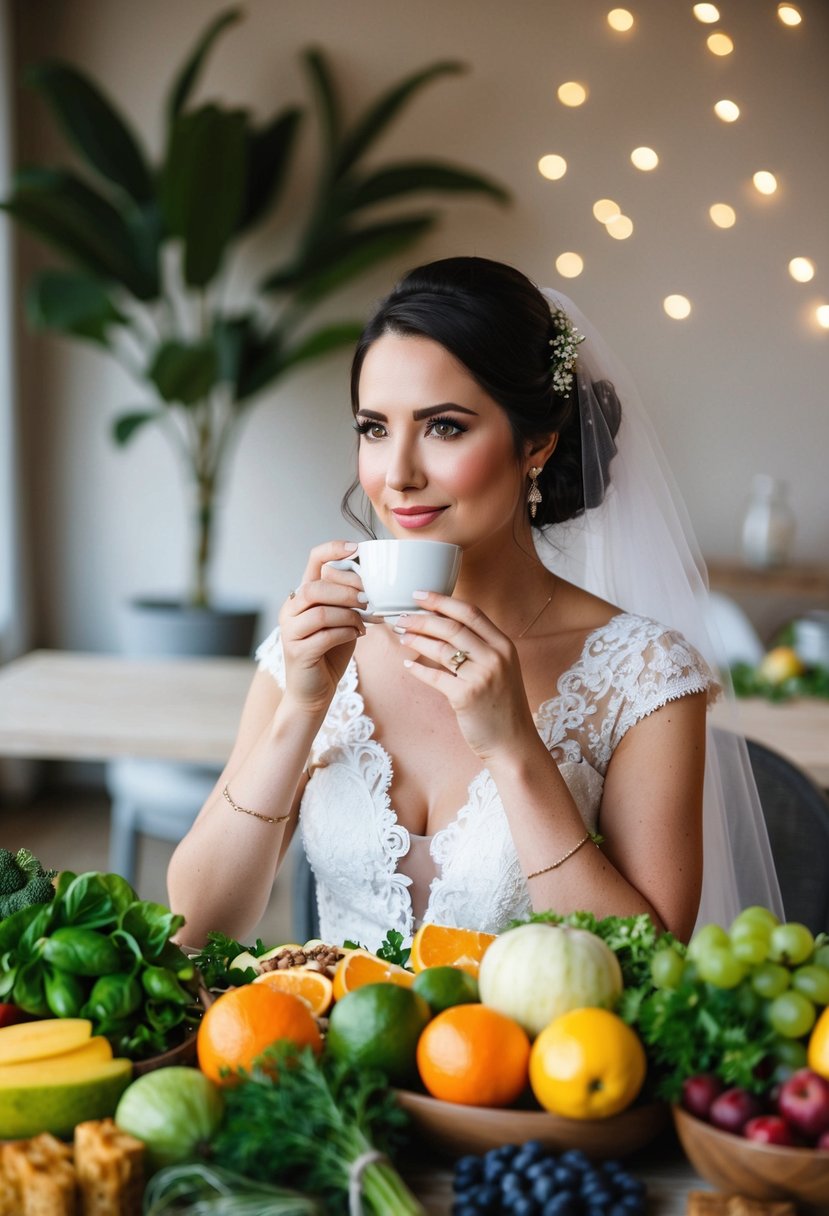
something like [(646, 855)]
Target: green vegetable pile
[(97, 951), (306, 1129), (23, 881), (748, 681)]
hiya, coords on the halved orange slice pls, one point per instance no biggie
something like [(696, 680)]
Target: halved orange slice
[(445, 946), (361, 967), (312, 987)]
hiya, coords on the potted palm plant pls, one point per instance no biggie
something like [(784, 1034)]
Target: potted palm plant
[(150, 248)]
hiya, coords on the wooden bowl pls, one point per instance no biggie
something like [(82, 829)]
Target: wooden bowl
[(762, 1171), (184, 1053), (454, 1129)]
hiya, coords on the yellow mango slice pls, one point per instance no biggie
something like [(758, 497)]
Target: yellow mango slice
[(70, 1063), (57, 1103), (41, 1039)]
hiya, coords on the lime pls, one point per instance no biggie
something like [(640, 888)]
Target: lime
[(377, 1026), (443, 987)]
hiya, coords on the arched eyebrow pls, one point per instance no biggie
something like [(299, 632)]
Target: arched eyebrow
[(428, 411)]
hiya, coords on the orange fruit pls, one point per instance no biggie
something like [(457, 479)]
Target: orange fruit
[(312, 987), (445, 946), (587, 1064), (361, 967), (473, 1055), (242, 1022)]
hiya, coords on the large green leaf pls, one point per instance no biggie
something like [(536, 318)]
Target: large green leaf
[(400, 179), (94, 126), (199, 207), (384, 110), (70, 216), (72, 303), (328, 107), (188, 74), (323, 342), (269, 154), (126, 425), (327, 265), (185, 372)]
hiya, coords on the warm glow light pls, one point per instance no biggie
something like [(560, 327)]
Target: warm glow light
[(644, 159), (620, 228), (552, 167), (572, 93), (677, 307), (706, 13), (728, 111), (620, 19), (765, 182), (719, 44), (606, 210), (788, 14), (802, 270), (570, 265), (723, 215), (822, 314)]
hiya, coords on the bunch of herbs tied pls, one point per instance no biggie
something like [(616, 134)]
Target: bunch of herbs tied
[(319, 1126), (97, 951)]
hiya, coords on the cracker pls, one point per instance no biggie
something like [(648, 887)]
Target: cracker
[(110, 1168), (707, 1203), (40, 1174)]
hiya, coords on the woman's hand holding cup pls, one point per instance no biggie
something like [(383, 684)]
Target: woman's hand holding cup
[(320, 623)]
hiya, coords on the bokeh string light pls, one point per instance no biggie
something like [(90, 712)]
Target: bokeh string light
[(620, 19)]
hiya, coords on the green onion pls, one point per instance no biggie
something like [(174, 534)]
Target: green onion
[(203, 1190)]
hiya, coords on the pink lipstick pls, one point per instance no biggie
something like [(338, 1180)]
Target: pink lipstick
[(416, 517)]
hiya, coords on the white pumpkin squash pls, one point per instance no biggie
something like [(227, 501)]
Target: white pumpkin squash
[(536, 972)]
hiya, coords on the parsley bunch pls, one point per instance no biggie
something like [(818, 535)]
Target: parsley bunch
[(308, 1126)]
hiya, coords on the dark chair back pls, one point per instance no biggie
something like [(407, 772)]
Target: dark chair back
[(304, 911), (796, 812)]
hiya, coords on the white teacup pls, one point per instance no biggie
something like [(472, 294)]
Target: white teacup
[(391, 570)]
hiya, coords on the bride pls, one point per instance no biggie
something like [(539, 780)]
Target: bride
[(538, 739)]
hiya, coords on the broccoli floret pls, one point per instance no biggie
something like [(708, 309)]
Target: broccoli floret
[(12, 878), (23, 881)]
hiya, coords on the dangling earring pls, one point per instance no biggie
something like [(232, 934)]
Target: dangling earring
[(534, 494)]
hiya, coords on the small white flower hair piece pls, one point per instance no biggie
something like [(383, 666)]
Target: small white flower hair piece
[(563, 351)]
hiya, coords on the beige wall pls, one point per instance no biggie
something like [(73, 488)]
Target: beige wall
[(738, 388)]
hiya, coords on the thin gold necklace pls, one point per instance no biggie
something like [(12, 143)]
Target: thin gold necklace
[(541, 610)]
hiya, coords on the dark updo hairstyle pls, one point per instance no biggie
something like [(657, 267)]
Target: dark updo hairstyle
[(499, 326)]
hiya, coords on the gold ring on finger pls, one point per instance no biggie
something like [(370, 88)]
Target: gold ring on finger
[(458, 659)]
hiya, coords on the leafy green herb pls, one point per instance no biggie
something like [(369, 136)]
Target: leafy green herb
[(391, 949), (697, 1028), (203, 1190), (748, 682), (213, 962), (307, 1128)]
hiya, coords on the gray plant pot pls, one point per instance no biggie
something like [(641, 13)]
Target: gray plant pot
[(155, 797)]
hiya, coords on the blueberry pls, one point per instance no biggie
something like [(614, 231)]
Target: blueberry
[(562, 1204), (631, 1203), (619, 1209), (538, 1169), (575, 1158), (505, 1153), (565, 1176), (512, 1182), (629, 1185), (523, 1205), (595, 1209), (464, 1209), (487, 1197), (468, 1167), (494, 1168), (597, 1196), (544, 1188)]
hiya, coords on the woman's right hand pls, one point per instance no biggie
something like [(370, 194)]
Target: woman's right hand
[(320, 625)]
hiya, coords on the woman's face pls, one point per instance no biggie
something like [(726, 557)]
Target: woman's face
[(437, 458)]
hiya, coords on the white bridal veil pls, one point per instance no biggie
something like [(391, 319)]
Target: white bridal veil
[(637, 549)]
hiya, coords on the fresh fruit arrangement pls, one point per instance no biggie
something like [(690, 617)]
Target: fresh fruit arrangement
[(739, 1029), (780, 675)]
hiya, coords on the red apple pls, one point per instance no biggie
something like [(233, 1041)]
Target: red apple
[(732, 1109), (9, 1014), (823, 1141), (769, 1129), (699, 1092), (804, 1103)]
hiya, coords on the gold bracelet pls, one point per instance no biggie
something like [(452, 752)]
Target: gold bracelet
[(587, 836), (245, 811)]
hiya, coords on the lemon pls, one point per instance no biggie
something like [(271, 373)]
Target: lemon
[(587, 1064), (779, 664), (443, 987), (378, 1026)]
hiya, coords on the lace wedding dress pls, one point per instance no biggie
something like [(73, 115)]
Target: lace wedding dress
[(370, 870)]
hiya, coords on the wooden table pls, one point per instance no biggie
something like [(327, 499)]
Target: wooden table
[(62, 705), (65, 705), (797, 729)]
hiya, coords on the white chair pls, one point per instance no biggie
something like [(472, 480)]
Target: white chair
[(732, 633)]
